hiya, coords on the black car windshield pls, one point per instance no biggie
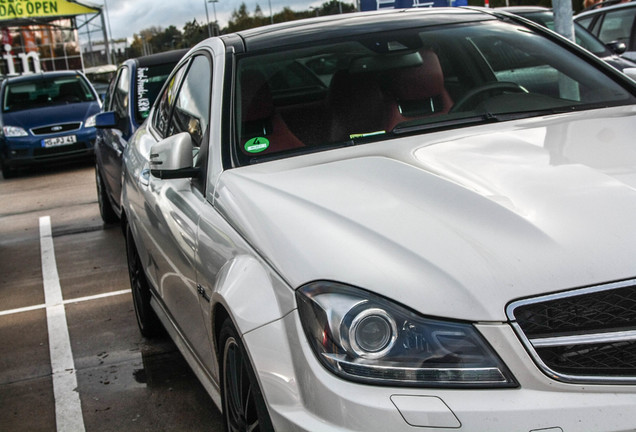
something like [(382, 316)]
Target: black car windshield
[(43, 91), (148, 82), (374, 86)]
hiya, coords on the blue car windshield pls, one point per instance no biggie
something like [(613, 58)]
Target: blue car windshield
[(39, 92)]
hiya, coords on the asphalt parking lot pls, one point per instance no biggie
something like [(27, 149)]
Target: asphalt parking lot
[(72, 356)]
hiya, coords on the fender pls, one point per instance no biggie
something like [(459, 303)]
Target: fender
[(251, 293)]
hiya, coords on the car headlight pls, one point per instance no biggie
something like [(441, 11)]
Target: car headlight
[(90, 122), (364, 337), (14, 131)]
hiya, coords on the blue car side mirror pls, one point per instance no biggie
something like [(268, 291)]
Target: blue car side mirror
[(106, 120)]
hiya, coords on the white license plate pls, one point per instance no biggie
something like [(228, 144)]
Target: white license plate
[(59, 141)]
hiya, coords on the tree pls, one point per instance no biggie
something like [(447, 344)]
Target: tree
[(143, 42), (335, 7), (166, 40), (193, 33), (241, 20)]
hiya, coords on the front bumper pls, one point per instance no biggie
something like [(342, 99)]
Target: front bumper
[(29, 150), (303, 396)]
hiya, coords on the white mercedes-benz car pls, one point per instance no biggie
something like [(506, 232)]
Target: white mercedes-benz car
[(417, 220)]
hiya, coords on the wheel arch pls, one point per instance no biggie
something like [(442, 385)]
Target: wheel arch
[(250, 295)]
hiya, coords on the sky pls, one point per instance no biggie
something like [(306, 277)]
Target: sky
[(127, 17)]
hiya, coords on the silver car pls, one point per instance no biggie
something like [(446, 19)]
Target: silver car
[(393, 221)]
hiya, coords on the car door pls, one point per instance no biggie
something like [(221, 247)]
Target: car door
[(618, 25), (114, 140), (175, 205)]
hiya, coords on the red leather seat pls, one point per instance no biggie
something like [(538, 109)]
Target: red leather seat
[(259, 118), (356, 105), (418, 91)]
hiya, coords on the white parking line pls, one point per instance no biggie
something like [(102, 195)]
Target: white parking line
[(68, 408), (70, 301)]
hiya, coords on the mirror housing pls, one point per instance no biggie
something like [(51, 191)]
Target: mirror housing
[(171, 158), (106, 120), (617, 47)]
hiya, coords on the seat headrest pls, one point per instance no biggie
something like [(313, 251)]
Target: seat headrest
[(256, 96), (419, 82)]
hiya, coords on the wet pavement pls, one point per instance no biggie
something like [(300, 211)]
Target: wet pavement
[(125, 382)]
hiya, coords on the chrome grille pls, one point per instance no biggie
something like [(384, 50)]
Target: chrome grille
[(581, 336), (56, 128)]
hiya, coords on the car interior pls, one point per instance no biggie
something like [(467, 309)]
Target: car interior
[(358, 91)]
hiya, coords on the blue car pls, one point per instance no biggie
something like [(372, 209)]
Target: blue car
[(127, 105), (46, 117)]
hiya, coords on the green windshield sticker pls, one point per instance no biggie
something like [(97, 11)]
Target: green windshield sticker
[(257, 145)]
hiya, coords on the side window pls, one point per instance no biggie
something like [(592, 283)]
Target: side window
[(166, 102), (192, 107), (112, 85), (586, 22), (617, 25), (119, 101)]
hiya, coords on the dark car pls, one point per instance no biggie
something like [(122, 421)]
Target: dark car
[(583, 37), (46, 117), (127, 104), (613, 24)]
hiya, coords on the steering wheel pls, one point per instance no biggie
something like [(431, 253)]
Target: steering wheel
[(497, 86)]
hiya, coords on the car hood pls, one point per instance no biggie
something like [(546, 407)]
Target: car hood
[(618, 62), (51, 114), (452, 224)]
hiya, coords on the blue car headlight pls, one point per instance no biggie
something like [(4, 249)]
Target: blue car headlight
[(363, 337), (90, 122), (14, 131)]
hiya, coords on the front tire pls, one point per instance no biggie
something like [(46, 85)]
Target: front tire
[(105, 207), (7, 171), (147, 320), (244, 407)]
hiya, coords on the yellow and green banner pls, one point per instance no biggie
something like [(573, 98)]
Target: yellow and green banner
[(15, 9)]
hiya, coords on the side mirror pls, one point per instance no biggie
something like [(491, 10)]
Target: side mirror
[(172, 158), (630, 72), (106, 120), (617, 47)]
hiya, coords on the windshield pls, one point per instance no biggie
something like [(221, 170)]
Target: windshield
[(40, 91), (372, 87)]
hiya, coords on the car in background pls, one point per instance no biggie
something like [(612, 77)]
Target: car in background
[(545, 17), (100, 77), (613, 24), (46, 117), (127, 103), (397, 220)]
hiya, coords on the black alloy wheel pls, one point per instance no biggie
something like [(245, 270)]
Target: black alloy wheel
[(149, 324), (244, 407)]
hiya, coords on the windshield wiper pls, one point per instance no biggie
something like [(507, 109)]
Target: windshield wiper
[(410, 127), (485, 118)]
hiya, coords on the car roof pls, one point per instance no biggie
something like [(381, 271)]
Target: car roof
[(524, 9), (344, 25), (160, 58), (604, 9), (41, 76)]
